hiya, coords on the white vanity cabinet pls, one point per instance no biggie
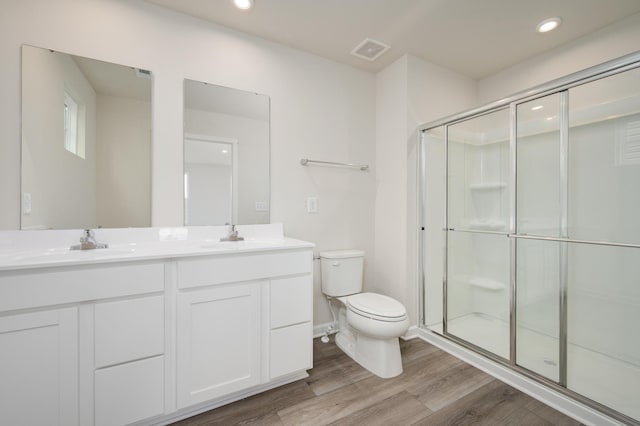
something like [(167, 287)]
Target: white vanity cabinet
[(129, 361), (39, 368), (154, 337), (243, 320), (219, 341), (82, 345), (290, 316)]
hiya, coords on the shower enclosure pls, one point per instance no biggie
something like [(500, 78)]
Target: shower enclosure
[(531, 234)]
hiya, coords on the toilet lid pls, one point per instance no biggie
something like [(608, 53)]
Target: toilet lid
[(377, 305)]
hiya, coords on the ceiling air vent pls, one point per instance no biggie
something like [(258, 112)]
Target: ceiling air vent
[(142, 73), (369, 49)]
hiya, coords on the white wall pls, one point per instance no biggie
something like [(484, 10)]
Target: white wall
[(124, 169), (409, 92), (319, 109), (58, 198), (252, 152), (390, 257), (209, 194)]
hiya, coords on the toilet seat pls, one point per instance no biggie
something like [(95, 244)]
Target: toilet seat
[(377, 307)]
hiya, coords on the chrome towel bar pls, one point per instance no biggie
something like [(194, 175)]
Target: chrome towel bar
[(306, 161)]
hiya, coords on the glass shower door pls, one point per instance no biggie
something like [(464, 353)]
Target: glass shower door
[(541, 212), (478, 222), (603, 265), (541, 219)]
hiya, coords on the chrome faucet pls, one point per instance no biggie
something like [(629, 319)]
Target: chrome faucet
[(88, 242), (233, 235)]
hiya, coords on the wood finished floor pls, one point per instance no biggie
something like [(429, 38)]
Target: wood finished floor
[(435, 389)]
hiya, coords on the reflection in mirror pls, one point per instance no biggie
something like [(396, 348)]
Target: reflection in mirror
[(226, 155), (86, 142), (209, 177)]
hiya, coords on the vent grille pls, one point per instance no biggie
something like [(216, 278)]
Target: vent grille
[(369, 49), (628, 143), (142, 73)]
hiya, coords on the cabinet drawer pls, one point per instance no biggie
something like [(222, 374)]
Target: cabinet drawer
[(54, 286), (246, 267), (129, 392), (290, 300), (127, 330), (290, 350)]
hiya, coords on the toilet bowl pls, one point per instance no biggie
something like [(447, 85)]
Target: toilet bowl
[(369, 324), (376, 315)]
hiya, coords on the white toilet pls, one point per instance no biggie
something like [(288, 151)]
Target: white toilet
[(369, 323)]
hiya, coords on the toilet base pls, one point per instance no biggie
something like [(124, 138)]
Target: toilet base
[(379, 356)]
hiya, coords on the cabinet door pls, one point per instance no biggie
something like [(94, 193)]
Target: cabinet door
[(39, 368), (219, 342), (291, 349)]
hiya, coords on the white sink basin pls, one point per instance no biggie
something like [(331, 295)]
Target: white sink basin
[(240, 245), (61, 255)]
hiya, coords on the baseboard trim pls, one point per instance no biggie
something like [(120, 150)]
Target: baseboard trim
[(412, 333), (319, 330), (552, 398)]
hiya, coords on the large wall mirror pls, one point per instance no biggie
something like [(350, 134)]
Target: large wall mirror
[(226, 155), (86, 142)]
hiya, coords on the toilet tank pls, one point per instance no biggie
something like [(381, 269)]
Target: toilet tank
[(342, 272)]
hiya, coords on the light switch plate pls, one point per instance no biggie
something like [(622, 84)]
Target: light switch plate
[(312, 205), (261, 206), (26, 203)]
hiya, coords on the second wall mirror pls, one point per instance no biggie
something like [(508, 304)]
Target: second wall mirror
[(226, 155)]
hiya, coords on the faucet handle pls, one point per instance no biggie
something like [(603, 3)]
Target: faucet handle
[(88, 241)]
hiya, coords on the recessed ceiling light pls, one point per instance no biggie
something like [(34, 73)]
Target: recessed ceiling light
[(536, 108), (243, 4), (548, 25), (224, 151)]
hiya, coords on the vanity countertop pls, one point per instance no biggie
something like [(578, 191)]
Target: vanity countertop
[(17, 253)]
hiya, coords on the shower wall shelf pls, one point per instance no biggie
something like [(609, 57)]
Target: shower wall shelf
[(487, 225), (306, 162), (479, 282), (487, 186), (486, 284)]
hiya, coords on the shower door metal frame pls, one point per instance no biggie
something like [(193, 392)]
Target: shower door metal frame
[(560, 86)]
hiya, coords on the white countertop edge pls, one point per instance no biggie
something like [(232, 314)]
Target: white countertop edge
[(149, 252), (21, 250)]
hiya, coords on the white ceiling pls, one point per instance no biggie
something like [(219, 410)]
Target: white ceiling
[(474, 37), (115, 80), (225, 100)]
